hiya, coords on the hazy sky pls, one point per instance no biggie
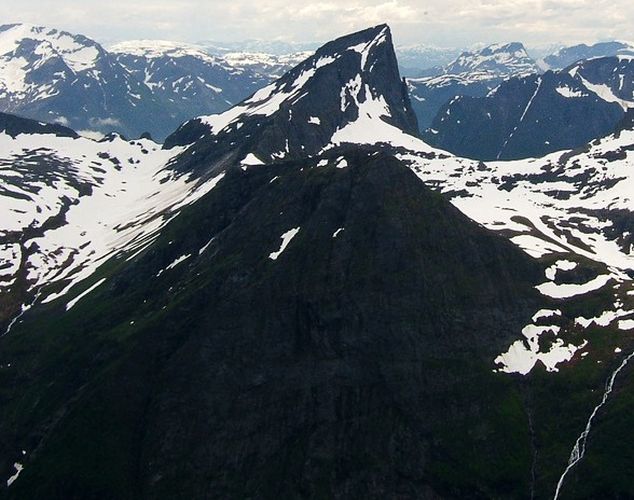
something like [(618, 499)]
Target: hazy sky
[(451, 23)]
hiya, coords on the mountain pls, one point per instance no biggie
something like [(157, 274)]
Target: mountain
[(497, 60), (539, 114), (567, 56), (270, 59), (200, 342), (294, 115), (185, 79), (72, 203), (13, 126), (472, 74), (54, 76), (299, 298), (269, 66), (135, 87), (255, 46)]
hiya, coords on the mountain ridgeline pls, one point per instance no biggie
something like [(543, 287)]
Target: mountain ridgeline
[(472, 74), (55, 76)]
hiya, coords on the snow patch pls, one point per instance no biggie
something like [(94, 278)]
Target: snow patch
[(83, 294), (568, 290), (286, 239), (18, 468)]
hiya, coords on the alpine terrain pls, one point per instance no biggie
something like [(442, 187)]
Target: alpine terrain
[(298, 297), (538, 114), (472, 74), (135, 87)]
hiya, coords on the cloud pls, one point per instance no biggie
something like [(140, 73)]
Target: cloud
[(444, 22), (105, 122)]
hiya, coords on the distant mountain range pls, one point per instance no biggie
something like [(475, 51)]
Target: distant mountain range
[(471, 74), (134, 88), (538, 114), (186, 79), (54, 76), (154, 86), (566, 56)]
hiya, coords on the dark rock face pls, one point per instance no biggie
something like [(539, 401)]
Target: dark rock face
[(536, 115), (615, 73), (345, 368), (14, 125), (627, 123), (428, 98)]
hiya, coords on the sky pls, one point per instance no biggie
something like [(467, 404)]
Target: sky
[(445, 23)]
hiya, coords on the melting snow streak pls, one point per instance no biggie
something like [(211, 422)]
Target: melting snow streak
[(579, 449), (286, 239)]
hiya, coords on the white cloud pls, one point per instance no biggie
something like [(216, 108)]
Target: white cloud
[(444, 22)]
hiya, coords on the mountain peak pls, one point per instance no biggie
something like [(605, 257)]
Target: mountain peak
[(510, 59), (78, 52), (350, 80)]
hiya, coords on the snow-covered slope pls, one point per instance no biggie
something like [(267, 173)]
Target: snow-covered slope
[(571, 208), (71, 203)]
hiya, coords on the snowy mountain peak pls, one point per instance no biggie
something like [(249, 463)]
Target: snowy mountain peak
[(28, 42), (55, 76), (509, 59), (341, 88)]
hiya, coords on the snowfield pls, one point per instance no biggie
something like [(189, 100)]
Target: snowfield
[(95, 200)]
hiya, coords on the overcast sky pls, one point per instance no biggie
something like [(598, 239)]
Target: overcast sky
[(450, 23)]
